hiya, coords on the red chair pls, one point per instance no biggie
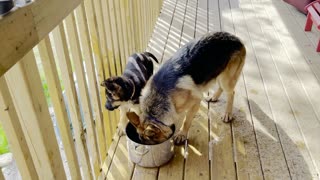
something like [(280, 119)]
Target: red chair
[(313, 17), (299, 4)]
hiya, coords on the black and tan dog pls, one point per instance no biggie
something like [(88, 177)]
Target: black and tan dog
[(179, 84), (124, 91)]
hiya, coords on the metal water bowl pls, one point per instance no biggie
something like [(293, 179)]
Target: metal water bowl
[(6, 6), (148, 155)]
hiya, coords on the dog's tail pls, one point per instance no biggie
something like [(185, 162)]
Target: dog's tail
[(151, 55)]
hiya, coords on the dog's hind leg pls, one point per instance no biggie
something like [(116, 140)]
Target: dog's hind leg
[(182, 134), (228, 80), (228, 113)]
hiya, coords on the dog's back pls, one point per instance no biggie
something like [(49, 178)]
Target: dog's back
[(139, 69), (199, 61), (202, 59), (179, 84)]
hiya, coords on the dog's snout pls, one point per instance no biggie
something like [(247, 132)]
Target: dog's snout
[(109, 106)]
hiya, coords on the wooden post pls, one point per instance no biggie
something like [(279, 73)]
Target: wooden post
[(35, 117), (12, 127)]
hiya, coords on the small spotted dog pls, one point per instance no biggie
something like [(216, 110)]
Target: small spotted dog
[(124, 91)]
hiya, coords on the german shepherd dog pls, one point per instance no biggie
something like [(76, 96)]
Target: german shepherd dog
[(180, 82), (124, 91)]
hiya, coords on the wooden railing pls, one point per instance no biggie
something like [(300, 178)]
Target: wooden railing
[(55, 53)]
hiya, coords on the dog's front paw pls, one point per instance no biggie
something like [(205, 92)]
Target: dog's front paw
[(180, 138), (227, 118), (212, 99), (121, 131)]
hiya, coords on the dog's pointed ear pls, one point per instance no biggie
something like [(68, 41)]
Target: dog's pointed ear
[(111, 84), (104, 83), (133, 118), (116, 87)]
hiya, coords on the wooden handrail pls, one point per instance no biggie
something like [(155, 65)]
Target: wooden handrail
[(25, 27)]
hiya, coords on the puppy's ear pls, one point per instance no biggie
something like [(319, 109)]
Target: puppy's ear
[(133, 118), (111, 84), (104, 83), (116, 87)]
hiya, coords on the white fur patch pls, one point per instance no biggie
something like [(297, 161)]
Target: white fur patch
[(146, 88), (186, 82)]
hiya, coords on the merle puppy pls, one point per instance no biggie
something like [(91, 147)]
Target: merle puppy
[(124, 91)]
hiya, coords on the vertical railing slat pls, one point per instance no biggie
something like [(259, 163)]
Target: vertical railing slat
[(55, 91), (136, 25), (148, 8), (141, 20), (123, 54), (116, 7), (100, 46), (87, 9), (12, 126), (145, 22), (133, 26), (94, 11), (77, 59), (116, 49), (112, 20), (102, 7), (73, 103), (124, 26), (128, 22), (34, 114), (92, 80), (141, 25)]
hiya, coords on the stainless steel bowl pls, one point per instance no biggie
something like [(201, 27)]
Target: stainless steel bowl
[(6, 6), (148, 155)]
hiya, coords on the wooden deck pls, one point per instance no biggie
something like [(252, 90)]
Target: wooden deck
[(276, 131)]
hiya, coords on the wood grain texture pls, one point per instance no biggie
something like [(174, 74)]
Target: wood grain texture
[(92, 81), (52, 78), (121, 167), (111, 151), (35, 118), (141, 173), (13, 129), (198, 136), (81, 82), (30, 24), (73, 103), (297, 85), (175, 168), (89, 19)]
